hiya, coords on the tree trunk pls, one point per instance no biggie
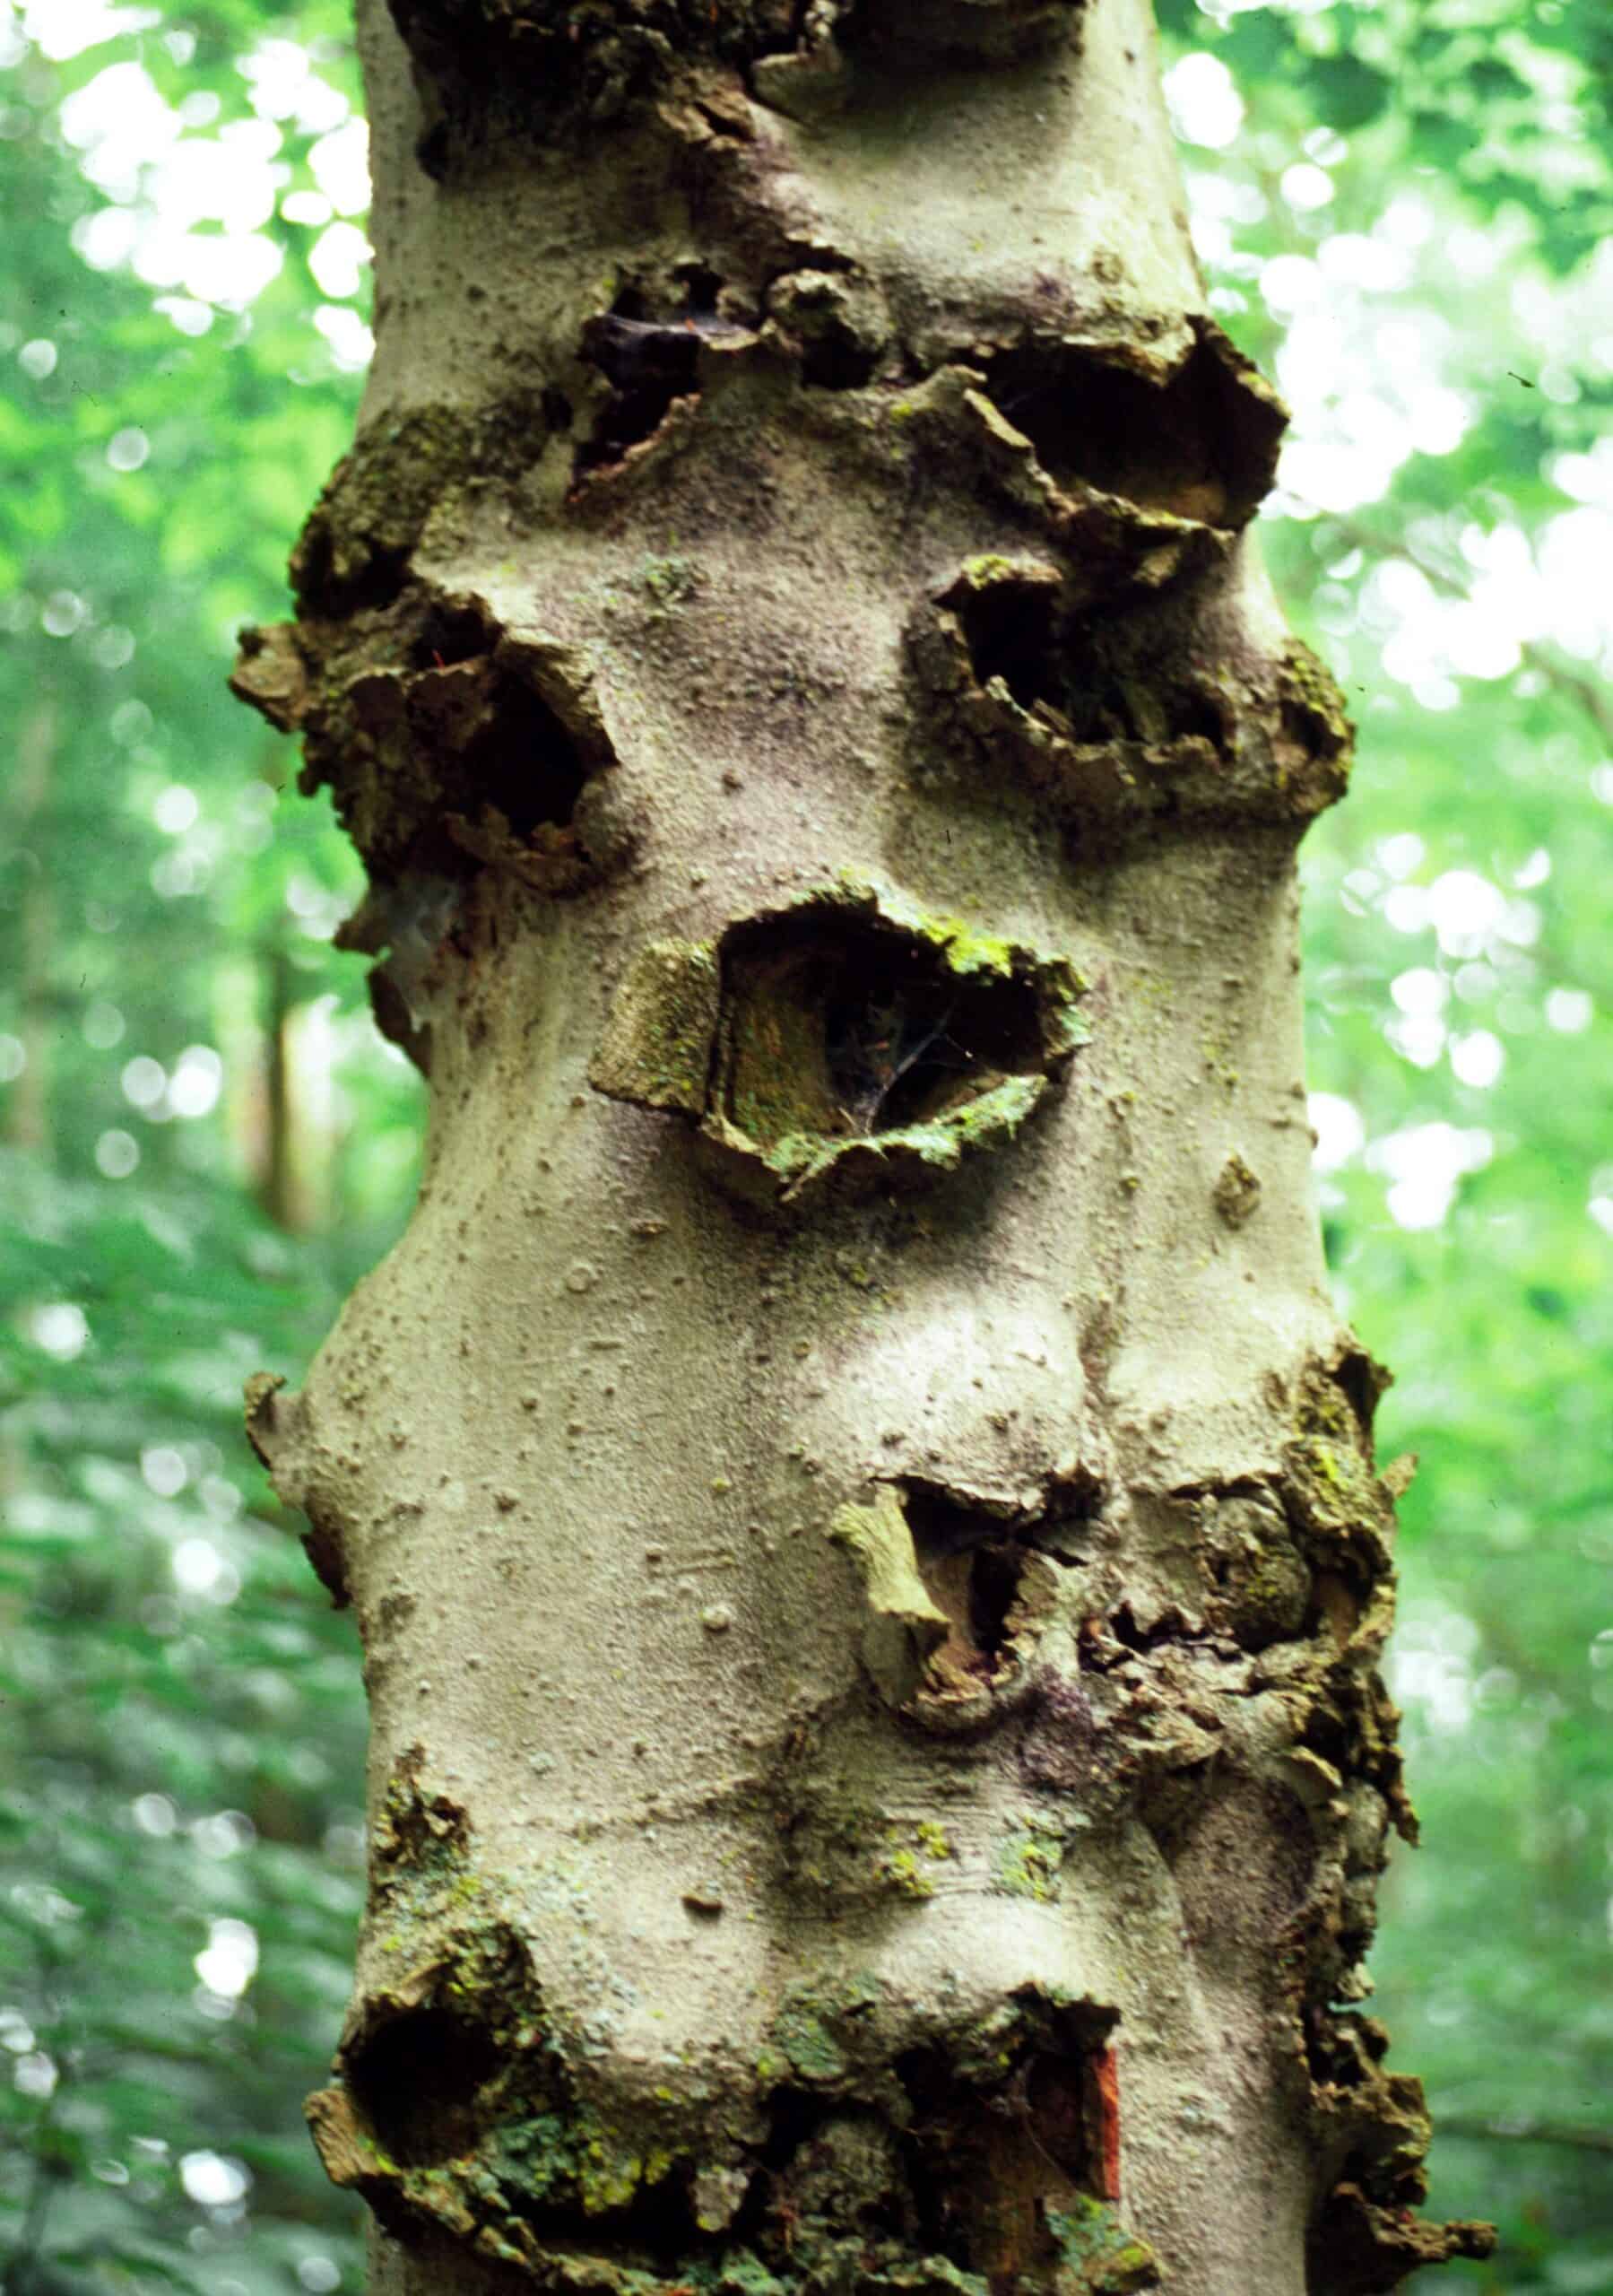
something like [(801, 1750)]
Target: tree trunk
[(862, 1517), (277, 1168), (28, 1120)]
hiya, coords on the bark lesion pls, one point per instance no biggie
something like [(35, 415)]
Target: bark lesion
[(1195, 440), (655, 364), (449, 741), (466, 757), (981, 2154), (1201, 1662), (846, 1041), (1275, 1661), (1373, 2132), (1247, 1711), (959, 1589), (997, 1572), (1123, 711), (546, 67), (878, 2142), (1140, 452)]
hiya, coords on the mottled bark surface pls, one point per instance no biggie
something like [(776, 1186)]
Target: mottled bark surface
[(862, 1517)]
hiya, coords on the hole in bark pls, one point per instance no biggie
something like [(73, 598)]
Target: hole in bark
[(844, 1027), (1362, 1382), (519, 763), (837, 362), (795, 2114), (994, 1590), (1123, 1625), (1090, 678), (834, 2167), (418, 2081), (1202, 446), (650, 359), (841, 1045), (526, 764), (701, 287), (973, 1564), (648, 366), (557, 409), (1008, 625), (378, 585), (987, 2160), (1327, 1734), (449, 635), (1064, 2111), (970, 1564), (505, 766)]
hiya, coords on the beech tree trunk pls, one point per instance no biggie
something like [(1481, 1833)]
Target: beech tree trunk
[(862, 1517)]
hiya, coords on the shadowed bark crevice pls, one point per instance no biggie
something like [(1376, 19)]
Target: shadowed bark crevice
[(1201, 444), (419, 2080), (988, 1573), (650, 365)]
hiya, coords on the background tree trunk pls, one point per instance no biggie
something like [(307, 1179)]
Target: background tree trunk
[(862, 1518), (28, 1123)]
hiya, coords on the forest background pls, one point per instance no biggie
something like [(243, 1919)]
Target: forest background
[(1405, 212)]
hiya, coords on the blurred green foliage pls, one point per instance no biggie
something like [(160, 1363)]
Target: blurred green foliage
[(201, 1141), (201, 1147)]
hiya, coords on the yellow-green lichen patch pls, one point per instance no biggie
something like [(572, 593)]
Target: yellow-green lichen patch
[(1028, 1861), (827, 2034), (906, 1865), (671, 581), (1097, 2256), (808, 2043)]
